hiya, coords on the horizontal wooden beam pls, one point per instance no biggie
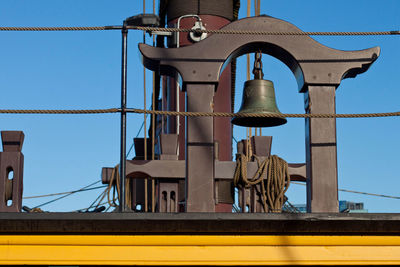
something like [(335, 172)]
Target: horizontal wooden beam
[(224, 170)]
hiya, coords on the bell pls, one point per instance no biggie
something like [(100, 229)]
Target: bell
[(259, 97)]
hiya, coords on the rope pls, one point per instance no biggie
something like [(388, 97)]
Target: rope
[(248, 130), (114, 187), (251, 32), (277, 183), (64, 196), (99, 28), (274, 170), (33, 210), (153, 128), (196, 114), (159, 29), (86, 209), (263, 115), (59, 111), (64, 193), (145, 120), (358, 192), (102, 195)]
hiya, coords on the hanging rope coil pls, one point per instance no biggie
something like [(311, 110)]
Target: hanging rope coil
[(272, 175)]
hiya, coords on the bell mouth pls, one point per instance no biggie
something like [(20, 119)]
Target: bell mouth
[(258, 122)]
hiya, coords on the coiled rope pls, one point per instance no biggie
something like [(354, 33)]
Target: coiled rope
[(274, 171)]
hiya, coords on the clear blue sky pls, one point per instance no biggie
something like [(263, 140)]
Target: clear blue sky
[(81, 70)]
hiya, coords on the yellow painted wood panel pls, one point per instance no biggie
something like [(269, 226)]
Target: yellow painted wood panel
[(199, 250)]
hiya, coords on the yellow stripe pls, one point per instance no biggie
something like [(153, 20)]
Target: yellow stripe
[(198, 250), (201, 240)]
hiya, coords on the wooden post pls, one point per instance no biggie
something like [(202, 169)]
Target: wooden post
[(200, 150), (11, 171), (321, 152)]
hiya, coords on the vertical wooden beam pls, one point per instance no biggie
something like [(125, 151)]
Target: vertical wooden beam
[(321, 152), (200, 150), (168, 189), (11, 171)]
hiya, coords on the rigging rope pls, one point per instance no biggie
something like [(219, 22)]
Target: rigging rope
[(263, 115), (160, 29), (114, 187), (64, 196), (153, 127), (64, 193), (145, 120), (196, 114), (358, 192), (102, 195), (59, 111), (248, 130)]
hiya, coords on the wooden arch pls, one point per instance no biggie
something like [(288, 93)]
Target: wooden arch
[(318, 70), (310, 61)]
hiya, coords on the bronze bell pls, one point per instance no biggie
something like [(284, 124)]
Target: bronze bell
[(259, 97)]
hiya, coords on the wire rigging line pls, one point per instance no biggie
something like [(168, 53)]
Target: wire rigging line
[(51, 201), (64, 193), (358, 192)]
